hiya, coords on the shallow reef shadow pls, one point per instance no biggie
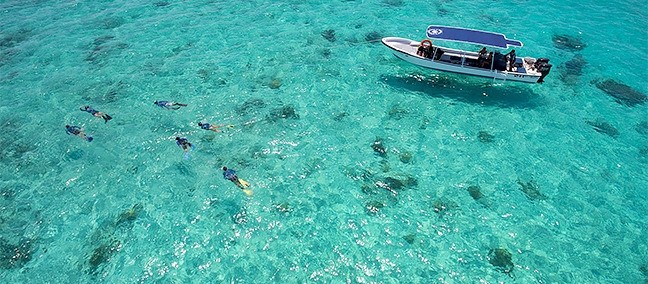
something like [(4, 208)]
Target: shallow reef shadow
[(507, 96), (622, 93), (15, 256), (602, 126), (531, 190), (501, 259), (568, 42), (571, 71)]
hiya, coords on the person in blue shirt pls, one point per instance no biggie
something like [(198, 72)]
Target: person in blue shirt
[(169, 105), (77, 131), (212, 127), (96, 113), (185, 145), (230, 174), (208, 126)]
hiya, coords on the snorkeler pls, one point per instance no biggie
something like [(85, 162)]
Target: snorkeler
[(212, 127), (96, 113), (230, 174), (185, 145), (77, 131), (169, 105)]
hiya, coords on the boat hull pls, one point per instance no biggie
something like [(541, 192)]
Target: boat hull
[(405, 49)]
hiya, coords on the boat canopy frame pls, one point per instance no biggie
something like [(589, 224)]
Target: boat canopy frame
[(464, 35)]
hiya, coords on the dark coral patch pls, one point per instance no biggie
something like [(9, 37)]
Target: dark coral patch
[(329, 35), (240, 217), (442, 12), (102, 40), (340, 115), (111, 22), (102, 48), (283, 207), (406, 157), (475, 192), (373, 37), (372, 207), (642, 127), (531, 190), (325, 52), (15, 38), (643, 152), (502, 260), (622, 93), (379, 148), (571, 70), (102, 254), (274, 83), (14, 255), (9, 41), (397, 112), (394, 3), (575, 65), (410, 238), (604, 127), (251, 106), (284, 112), (443, 207), (485, 137), (644, 270), (568, 42), (129, 215)]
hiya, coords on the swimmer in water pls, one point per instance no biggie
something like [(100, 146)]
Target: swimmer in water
[(96, 113), (77, 131), (169, 105)]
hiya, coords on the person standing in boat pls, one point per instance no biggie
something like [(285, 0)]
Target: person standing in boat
[(481, 57), (511, 59)]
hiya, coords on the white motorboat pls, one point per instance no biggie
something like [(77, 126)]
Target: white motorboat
[(496, 65)]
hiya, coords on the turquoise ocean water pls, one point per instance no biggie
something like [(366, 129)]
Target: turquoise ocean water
[(488, 182)]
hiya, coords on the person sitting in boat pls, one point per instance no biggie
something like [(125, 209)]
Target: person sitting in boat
[(488, 61), (511, 59), (430, 51), (481, 57), (422, 50), (435, 52)]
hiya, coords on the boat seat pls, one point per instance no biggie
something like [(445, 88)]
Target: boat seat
[(521, 70), (518, 62)]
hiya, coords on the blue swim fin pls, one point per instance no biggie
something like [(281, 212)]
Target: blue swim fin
[(186, 154)]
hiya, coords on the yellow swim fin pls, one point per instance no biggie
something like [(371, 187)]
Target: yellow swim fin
[(248, 192), (244, 183)]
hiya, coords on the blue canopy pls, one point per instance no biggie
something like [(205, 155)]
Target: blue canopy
[(471, 36)]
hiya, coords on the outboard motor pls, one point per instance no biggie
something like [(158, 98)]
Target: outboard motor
[(543, 66), (539, 62)]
